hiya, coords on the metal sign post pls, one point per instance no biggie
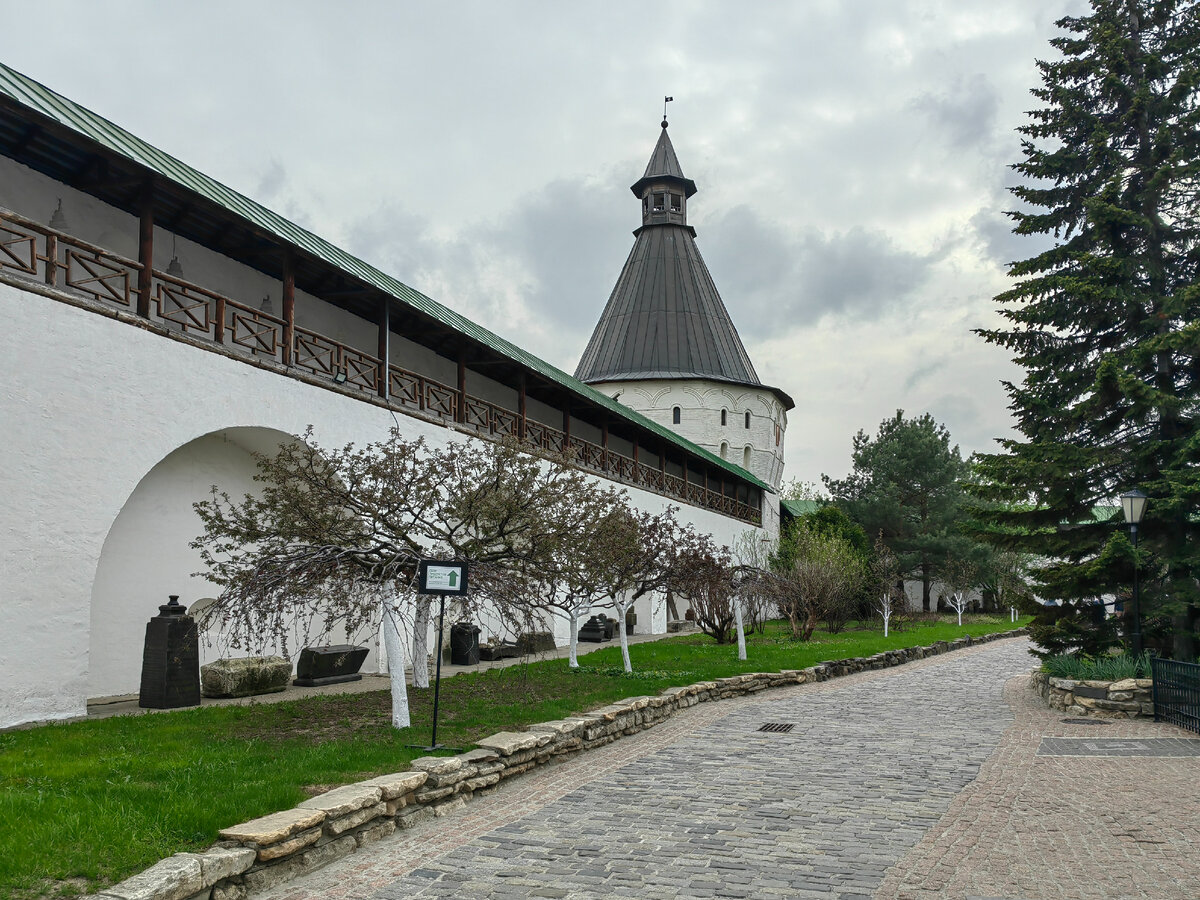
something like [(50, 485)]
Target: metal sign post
[(441, 578)]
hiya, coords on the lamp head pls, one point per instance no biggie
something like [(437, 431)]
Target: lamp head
[(1133, 504)]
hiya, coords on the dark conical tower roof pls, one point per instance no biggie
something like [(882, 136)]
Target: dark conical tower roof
[(665, 318)]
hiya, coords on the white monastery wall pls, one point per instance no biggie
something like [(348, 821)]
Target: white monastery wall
[(110, 433)]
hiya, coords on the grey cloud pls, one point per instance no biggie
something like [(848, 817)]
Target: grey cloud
[(919, 374), (965, 112), (772, 282)]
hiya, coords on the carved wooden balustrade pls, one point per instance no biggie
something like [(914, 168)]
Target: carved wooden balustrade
[(60, 260)]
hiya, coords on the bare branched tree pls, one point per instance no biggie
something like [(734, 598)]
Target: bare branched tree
[(961, 575), (706, 581), (649, 564), (333, 537), (885, 575), (582, 567)]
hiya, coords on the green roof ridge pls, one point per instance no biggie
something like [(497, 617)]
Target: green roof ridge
[(36, 96)]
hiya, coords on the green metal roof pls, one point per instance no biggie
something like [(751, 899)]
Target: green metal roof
[(41, 99), (798, 508)]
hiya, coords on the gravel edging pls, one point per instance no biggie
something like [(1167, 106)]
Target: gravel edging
[(268, 851)]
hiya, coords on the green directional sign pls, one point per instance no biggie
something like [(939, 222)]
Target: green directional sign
[(442, 577)]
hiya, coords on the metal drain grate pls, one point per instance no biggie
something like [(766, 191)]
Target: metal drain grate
[(778, 727), (1084, 722)]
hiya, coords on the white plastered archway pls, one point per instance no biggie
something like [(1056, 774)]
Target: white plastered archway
[(146, 554)]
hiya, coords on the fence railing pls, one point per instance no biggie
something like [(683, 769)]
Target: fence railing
[(60, 260), (1176, 692)]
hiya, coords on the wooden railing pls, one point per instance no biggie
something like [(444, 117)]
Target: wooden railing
[(60, 260)]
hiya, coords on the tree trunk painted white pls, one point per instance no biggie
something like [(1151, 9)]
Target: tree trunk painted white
[(394, 646), (885, 606), (1012, 613), (737, 612), (958, 602), (573, 626), (622, 609), (421, 641)]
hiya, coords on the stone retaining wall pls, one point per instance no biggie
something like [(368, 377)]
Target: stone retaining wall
[(1125, 699), (259, 854)]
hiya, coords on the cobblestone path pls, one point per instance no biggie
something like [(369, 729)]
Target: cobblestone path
[(705, 805)]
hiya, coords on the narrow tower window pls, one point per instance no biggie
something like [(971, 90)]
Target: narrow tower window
[(747, 418), (723, 417), (724, 450), (675, 415), (746, 457), (676, 203)]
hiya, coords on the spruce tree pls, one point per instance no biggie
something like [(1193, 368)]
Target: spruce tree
[(1106, 322)]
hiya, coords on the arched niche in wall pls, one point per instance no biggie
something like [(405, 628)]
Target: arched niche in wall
[(146, 556)]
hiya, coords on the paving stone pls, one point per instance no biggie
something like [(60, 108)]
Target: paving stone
[(705, 805)]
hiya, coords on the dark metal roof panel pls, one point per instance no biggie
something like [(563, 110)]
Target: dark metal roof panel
[(665, 316), (39, 98), (664, 164)]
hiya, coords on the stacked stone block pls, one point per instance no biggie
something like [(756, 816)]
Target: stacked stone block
[(270, 850), (1125, 699)]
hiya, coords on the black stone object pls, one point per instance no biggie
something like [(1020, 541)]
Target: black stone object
[(596, 630), (493, 652), (170, 659), (464, 644), (333, 664), (535, 642)]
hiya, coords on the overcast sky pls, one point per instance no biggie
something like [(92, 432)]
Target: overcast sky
[(851, 157)]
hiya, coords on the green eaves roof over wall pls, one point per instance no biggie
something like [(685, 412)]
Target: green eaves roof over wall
[(37, 97)]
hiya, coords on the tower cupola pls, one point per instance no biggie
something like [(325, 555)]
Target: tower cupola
[(663, 190)]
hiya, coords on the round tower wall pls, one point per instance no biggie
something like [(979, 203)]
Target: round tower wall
[(700, 404)]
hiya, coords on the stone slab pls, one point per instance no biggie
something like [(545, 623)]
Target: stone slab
[(343, 800), (274, 828)]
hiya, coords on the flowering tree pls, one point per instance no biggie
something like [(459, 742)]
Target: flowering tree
[(334, 535)]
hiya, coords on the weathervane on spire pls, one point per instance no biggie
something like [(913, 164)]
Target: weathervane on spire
[(666, 100)]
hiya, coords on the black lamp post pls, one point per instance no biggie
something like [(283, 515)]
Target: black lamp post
[(1133, 504)]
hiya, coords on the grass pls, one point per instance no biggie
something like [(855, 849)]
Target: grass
[(89, 803)]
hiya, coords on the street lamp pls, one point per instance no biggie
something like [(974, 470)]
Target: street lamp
[(1133, 504)]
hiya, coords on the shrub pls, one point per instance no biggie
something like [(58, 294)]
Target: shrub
[(1103, 668)]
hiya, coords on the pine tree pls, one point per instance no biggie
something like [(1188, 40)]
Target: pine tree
[(906, 484), (1105, 322)]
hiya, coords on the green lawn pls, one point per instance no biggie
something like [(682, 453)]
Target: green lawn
[(87, 804)]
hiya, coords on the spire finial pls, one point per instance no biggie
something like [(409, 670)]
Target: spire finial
[(666, 100)]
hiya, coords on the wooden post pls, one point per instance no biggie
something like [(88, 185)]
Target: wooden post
[(461, 418), (385, 347), (145, 249), (51, 259), (566, 426), (289, 306), (521, 408), (635, 450), (604, 440)]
